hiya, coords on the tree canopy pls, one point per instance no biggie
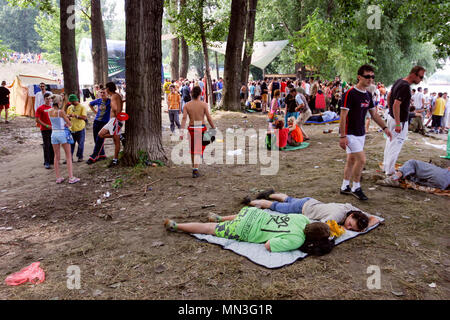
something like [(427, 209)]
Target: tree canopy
[(332, 37)]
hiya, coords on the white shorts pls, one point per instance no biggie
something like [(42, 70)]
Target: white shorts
[(114, 127), (355, 144)]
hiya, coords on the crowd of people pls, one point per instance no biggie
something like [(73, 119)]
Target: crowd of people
[(27, 58), (64, 125), (291, 229), (288, 105)]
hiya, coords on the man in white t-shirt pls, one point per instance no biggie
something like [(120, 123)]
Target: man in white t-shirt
[(39, 98), (419, 100), (307, 88)]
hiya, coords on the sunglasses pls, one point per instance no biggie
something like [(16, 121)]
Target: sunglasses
[(369, 77), (421, 77)]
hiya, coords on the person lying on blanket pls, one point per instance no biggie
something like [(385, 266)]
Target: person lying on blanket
[(350, 217), (422, 173), (324, 117), (279, 233)]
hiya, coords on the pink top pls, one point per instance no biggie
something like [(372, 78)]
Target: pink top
[(274, 107)]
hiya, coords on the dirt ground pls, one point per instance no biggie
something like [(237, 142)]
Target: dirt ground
[(124, 252)]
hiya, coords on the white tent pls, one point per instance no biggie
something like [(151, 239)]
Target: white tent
[(263, 52)]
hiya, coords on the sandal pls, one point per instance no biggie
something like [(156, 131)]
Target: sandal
[(74, 180), (59, 180)]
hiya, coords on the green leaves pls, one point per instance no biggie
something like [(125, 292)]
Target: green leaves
[(43, 5), (187, 19), (4, 50)]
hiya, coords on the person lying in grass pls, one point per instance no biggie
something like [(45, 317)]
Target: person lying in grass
[(350, 217), (420, 172), (279, 233)]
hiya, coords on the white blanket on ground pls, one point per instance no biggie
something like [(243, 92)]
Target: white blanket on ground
[(257, 253)]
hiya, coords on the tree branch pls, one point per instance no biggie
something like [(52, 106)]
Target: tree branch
[(284, 24), (85, 14)]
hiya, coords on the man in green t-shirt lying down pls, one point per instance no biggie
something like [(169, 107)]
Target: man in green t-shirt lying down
[(281, 232)]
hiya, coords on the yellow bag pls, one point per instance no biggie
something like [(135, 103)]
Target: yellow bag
[(335, 229)]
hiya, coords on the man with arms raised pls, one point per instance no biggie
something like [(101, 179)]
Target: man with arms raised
[(356, 102), (114, 127), (197, 112)]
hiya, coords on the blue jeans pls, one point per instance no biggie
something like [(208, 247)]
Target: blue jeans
[(174, 117), (79, 138), (291, 205), (99, 150)]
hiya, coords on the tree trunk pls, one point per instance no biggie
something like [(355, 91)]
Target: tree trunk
[(184, 68), (68, 51), (99, 46), (217, 65), (206, 57), (175, 59), (233, 56), (143, 76), (175, 49), (184, 59), (249, 37)]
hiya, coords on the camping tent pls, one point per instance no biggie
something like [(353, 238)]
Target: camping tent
[(24, 89)]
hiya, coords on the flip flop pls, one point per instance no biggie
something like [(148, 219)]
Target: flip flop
[(60, 180), (74, 180)]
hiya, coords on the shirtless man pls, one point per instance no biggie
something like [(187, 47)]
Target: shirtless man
[(114, 127), (197, 111)]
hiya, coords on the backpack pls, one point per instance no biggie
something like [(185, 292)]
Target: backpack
[(186, 95)]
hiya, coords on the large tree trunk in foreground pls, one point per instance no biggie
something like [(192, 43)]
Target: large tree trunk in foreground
[(99, 46), (143, 76), (249, 37), (233, 56), (68, 52)]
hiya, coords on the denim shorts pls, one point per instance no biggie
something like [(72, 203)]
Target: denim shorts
[(59, 137), (291, 205)]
